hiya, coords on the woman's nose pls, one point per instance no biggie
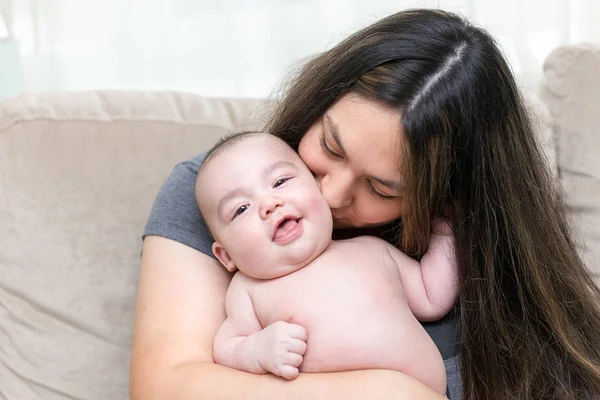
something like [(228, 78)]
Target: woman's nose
[(337, 190), (269, 204)]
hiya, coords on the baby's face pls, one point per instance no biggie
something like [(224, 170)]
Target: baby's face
[(264, 208)]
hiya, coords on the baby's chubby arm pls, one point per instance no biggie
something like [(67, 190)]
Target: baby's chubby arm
[(242, 343), (431, 286)]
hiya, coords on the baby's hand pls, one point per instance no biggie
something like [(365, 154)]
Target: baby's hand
[(281, 346), (441, 226)]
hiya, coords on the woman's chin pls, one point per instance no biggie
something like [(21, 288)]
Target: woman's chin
[(342, 224), (347, 224)]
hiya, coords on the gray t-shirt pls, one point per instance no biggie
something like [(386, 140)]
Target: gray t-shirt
[(175, 216)]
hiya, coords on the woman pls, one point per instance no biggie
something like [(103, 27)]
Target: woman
[(414, 117)]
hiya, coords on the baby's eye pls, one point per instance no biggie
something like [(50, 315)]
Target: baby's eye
[(280, 182), (240, 211)]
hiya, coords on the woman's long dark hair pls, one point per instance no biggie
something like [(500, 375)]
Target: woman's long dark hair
[(529, 314)]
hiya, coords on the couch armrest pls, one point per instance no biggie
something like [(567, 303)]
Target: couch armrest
[(571, 90)]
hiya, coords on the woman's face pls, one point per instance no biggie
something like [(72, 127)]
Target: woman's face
[(353, 152)]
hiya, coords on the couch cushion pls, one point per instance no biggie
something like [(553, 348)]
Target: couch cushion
[(79, 173), (571, 91)]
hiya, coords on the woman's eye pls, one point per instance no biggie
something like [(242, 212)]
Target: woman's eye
[(379, 195), (240, 211), (326, 148), (280, 182)]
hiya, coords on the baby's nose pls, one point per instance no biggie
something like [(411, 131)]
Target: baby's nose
[(269, 204)]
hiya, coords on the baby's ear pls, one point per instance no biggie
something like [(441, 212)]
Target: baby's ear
[(223, 256)]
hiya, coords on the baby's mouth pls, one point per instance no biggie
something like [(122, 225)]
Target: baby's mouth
[(284, 227)]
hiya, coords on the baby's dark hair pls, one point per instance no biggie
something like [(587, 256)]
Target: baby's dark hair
[(226, 142)]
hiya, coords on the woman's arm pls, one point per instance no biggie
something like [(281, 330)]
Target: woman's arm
[(180, 307)]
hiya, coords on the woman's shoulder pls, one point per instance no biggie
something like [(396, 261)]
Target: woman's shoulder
[(191, 165), (175, 214)]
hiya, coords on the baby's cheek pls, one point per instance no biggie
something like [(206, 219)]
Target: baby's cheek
[(251, 253), (320, 207)]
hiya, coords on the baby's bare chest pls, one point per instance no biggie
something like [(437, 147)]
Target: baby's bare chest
[(342, 283)]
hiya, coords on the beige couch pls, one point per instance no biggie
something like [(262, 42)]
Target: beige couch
[(78, 175)]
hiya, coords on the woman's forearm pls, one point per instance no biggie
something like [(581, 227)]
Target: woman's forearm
[(239, 353), (180, 309), (202, 380)]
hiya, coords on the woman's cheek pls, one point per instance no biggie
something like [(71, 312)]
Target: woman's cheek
[(376, 213), (391, 212), (367, 214)]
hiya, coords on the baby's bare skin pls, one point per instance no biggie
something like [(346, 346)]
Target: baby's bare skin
[(352, 303), (300, 302)]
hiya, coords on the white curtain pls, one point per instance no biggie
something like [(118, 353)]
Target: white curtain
[(245, 47)]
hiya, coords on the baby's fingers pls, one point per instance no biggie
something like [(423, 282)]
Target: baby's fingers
[(297, 346), (293, 359), (441, 226), (298, 332), (288, 372)]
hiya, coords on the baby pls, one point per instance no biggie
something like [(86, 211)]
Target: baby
[(301, 301)]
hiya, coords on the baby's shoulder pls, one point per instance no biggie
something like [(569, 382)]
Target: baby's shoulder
[(363, 249), (363, 242), (240, 281), (366, 240)]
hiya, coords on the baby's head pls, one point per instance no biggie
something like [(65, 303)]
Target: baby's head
[(262, 206)]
